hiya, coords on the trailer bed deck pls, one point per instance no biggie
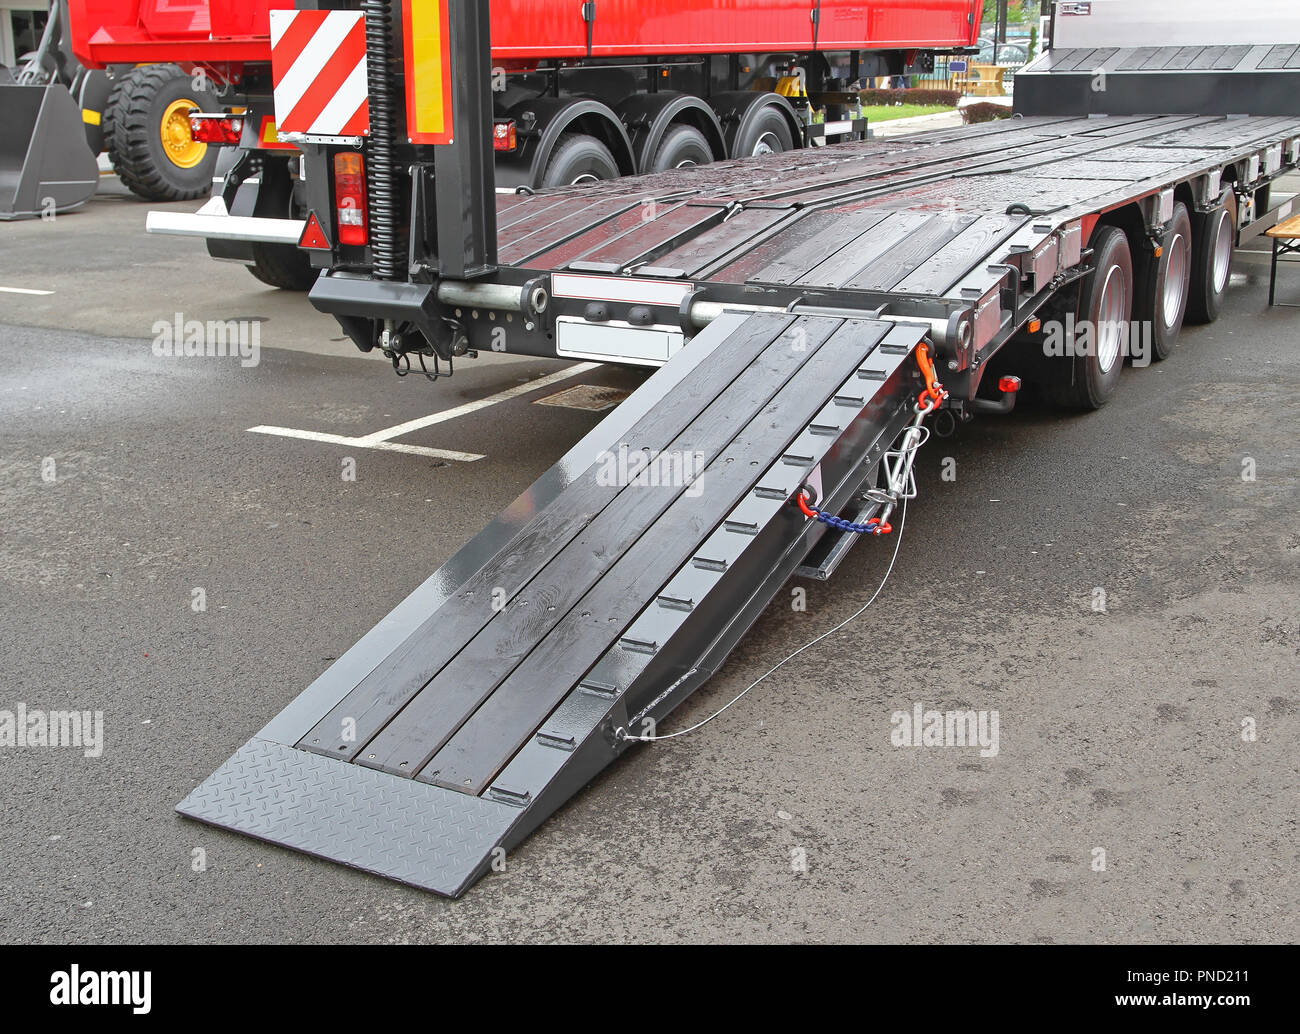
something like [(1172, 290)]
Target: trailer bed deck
[(912, 215)]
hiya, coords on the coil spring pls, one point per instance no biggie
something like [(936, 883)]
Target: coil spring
[(381, 172)]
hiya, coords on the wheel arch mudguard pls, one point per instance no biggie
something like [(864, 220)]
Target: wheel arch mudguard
[(541, 121), (736, 111), (91, 89), (648, 116)]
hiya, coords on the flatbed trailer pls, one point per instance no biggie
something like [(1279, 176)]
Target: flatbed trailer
[(802, 310)]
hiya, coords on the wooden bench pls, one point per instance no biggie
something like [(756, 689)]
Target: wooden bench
[(982, 81), (1286, 241)]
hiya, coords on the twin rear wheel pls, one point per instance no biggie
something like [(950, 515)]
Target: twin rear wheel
[(579, 158), (681, 146), (1085, 377), (1163, 290), (1135, 305), (1213, 237)]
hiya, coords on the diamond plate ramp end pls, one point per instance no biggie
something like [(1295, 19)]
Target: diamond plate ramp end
[(414, 833)]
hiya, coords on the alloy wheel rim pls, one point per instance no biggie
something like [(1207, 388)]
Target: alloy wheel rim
[(1110, 329), (1176, 279), (1222, 251)]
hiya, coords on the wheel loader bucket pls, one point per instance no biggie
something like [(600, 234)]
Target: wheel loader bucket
[(45, 164)]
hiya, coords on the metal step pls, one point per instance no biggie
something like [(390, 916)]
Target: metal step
[(594, 604)]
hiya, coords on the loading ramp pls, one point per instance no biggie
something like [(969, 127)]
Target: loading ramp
[(593, 604)]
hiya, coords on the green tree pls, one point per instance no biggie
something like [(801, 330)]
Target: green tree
[(1017, 11)]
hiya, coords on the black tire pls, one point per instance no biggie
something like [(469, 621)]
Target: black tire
[(133, 135), (283, 266), (768, 133), (1213, 236), (579, 158), (1163, 285), (1088, 378), (681, 145)]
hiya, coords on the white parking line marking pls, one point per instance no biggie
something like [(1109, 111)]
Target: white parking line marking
[(361, 443), (22, 290), (380, 440), (473, 407)]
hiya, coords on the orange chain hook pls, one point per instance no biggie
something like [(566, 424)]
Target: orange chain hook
[(934, 392)]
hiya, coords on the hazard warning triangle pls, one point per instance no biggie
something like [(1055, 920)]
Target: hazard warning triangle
[(313, 235)]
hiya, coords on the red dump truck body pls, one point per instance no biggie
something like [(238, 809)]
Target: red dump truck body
[(235, 32), (108, 32)]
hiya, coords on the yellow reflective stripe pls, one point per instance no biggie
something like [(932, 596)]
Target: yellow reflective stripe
[(428, 76), (91, 118)]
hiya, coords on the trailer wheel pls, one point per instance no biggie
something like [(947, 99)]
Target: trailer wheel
[(579, 158), (1086, 377), (768, 133), (1163, 285), (284, 266), (681, 146), (1213, 238), (147, 134)]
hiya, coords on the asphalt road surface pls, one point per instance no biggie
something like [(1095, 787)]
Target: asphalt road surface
[(1115, 586)]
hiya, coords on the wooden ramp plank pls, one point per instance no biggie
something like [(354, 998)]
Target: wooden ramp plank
[(821, 246), (656, 236), (712, 244), (579, 247)]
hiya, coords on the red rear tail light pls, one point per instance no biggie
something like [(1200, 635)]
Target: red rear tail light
[(1009, 385), (503, 135), (350, 198), (216, 129)]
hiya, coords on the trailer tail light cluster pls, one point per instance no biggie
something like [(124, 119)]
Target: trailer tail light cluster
[(350, 198), (503, 135), (216, 129)]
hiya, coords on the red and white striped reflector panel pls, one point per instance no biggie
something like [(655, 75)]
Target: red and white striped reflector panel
[(318, 68)]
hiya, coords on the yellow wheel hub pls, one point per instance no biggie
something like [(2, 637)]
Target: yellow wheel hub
[(180, 147)]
